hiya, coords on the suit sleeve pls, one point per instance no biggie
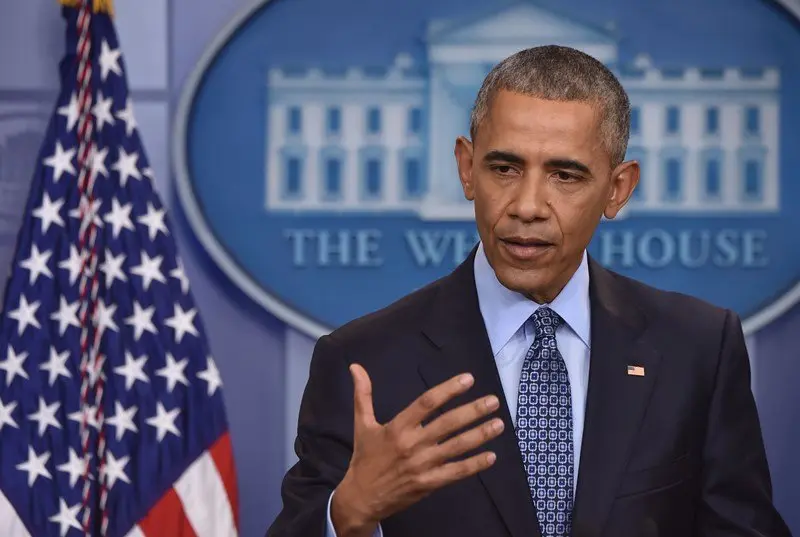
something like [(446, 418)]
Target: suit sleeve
[(323, 445), (736, 491)]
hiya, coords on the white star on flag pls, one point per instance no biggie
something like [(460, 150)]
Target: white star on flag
[(48, 212), (180, 274), (141, 320), (104, 316), (35, 466), (67, 517), (126, 166), (109, 61), (6, 417), (61, 161), (90, 209), (13, 365), (112, 268), (122, 420), (99, 157), (211, 375), (89, 414), (126, 115), (154, 220), (133, 370), (37, 264), (56, 366), (70, 112), (67, 315), (119, 217), (149, 269), (182, 322), (102, 111), (113, 469), (164, 421), (173, 372), (46, 416), (75, 467), (25, 314), (74, 264)]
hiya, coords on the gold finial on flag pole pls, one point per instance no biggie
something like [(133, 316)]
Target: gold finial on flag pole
[(100, 6)]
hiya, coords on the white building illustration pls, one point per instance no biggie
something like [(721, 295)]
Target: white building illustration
[(382, 141)]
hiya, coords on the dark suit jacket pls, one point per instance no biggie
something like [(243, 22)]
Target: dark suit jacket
[(675, 453)]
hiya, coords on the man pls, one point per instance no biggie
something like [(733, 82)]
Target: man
[(617, 410)]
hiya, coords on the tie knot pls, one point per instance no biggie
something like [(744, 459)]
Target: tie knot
[(546, 321)]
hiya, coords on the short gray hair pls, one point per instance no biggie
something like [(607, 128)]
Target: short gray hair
[(561, 74)]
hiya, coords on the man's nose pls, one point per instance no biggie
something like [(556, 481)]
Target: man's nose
[(531, 199)]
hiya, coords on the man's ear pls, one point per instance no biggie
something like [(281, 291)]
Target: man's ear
[(624, 179), (464, 152)]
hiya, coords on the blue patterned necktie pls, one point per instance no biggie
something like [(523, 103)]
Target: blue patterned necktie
[(544, 427)]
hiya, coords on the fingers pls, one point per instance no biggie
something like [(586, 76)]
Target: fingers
[(429, 401), (458, 418), (456, 471), (467, 441), (362, 396)]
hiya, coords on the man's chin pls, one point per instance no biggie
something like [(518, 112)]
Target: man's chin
[(530, 282)]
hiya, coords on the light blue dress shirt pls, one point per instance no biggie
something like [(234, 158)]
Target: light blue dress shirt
[(506, 315)]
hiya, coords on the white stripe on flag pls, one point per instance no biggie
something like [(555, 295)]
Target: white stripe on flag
[(205, 500), (10, 523), (136, 531)]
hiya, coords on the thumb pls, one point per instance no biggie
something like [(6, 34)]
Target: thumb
[(362, 396)]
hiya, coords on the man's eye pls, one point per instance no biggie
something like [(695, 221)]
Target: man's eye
[(504, 170), (566, 176)]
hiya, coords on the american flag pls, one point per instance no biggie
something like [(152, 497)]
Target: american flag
[(111, 413)]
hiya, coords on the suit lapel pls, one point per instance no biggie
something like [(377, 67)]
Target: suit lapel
[(616, 401), (456, 328)]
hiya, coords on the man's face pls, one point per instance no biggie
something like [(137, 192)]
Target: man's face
[(540, 176)]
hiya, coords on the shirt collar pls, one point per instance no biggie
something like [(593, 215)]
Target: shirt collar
[(504, 311)]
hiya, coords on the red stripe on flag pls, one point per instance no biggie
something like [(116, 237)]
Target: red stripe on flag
[(167, 519), (222, 455)]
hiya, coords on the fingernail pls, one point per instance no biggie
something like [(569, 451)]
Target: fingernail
[(492, 402), (490, 458), (497, 425), (466, 380)]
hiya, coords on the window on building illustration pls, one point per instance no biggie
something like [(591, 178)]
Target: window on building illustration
[(673, 120), (295, 120), (294, 176), (415, 121), (374, 120), (712, 120), (333, 177), (673, 173), (752, 119), (636, 121), (752, 179), (373, 178), (713, 178), (334, 120), (413, 177)]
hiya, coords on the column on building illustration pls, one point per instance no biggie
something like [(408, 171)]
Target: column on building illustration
[(412, 170), (374, 184)]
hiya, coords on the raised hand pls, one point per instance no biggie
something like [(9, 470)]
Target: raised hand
[(397, 464)]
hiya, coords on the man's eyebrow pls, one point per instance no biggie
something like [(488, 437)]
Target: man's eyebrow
[(568, 164), (503, 156)]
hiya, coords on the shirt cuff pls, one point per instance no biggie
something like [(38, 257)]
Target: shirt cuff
[(331, 532)]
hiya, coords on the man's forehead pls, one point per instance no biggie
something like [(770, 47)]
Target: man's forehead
[(524, 124)]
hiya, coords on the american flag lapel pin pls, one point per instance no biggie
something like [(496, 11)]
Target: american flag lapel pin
[(635, 371)]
